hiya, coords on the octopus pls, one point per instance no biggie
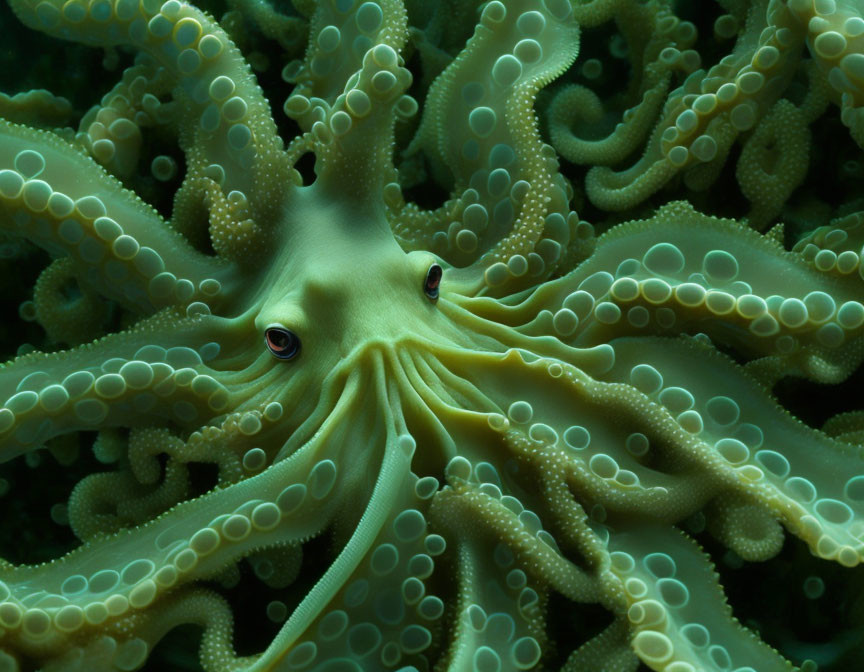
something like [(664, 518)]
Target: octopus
[(444, 436)]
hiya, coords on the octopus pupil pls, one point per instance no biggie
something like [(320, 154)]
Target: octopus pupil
[(282, 343), (433, 280)]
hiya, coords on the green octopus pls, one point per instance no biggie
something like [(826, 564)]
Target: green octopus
[(498, 422)]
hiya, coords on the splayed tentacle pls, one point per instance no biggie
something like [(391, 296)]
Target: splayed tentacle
[(667, 594), (61, 200), (351, 88), (121, 380), (498, 621), (392, 394), (755, 449), (655, 276), (88, 587), (515, 222), (398, 448), (233, 152)]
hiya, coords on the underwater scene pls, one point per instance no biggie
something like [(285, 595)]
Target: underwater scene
[(431, 335)]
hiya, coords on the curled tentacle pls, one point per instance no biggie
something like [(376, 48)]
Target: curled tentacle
[(423, 429), (184, 547), (233, 151), (112, 131), (702, 118), (745, 527), (69, 309), (654, 56), (512, 221), (241, 445), (774, 161)]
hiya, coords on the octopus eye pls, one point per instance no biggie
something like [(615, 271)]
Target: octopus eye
[(282, 342), (433, 281)]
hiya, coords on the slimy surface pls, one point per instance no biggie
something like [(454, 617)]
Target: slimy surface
[(463, 344)]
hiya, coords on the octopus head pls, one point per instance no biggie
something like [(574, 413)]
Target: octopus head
[(323, 334), (312, 306)]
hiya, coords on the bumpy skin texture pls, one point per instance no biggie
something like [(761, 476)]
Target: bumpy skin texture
[(554, 430)]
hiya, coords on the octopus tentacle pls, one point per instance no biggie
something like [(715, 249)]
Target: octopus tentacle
[(655, 276), (192, 47), (828, 55), (117, 650), (592, 359), (556, 415), (414, 406), (383, 612), (118, 380), (341, 38), (37, 108), (189, 543), (575, 103), (429, 400), (655, 54), (395, 468), (200, 607), (667, 593), (772, 462), (106, 502), (341, 384), (241, 445), (235, 158), (696, 137), (610, 650), (455, 409), (514, 525), (512, 218), (68, 308), (111, 132), (350, 89), (288, 31), (499, 620), (464, 387), (58, 198)]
